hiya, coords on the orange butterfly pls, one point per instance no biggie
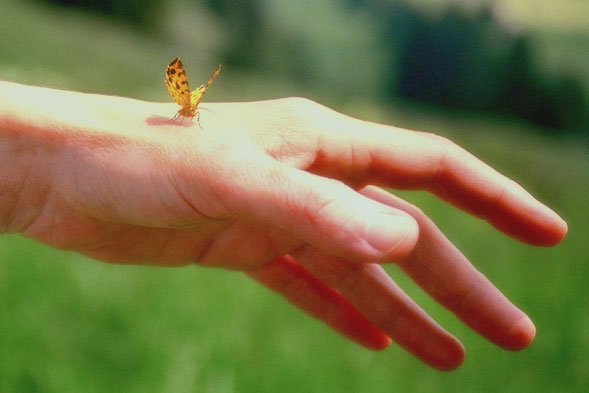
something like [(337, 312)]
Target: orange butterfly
[(177, 84)]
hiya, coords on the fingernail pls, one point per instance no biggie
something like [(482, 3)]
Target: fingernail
[(393, 234)]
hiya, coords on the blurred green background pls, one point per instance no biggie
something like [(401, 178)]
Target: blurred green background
[(508, 80)]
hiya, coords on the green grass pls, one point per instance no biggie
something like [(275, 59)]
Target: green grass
[(70, 324)]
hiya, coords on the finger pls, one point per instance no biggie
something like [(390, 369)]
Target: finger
[(323, 212), (438, 267), (292, 281), (376, 296), (363, 153)]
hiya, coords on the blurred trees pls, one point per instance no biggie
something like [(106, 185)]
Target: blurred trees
[(141, 13), (243, 21), (456, 59), (453, 58), (475, 62)]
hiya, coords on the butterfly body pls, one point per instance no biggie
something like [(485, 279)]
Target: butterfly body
[(177, 84)]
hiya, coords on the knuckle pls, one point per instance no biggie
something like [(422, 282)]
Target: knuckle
[(350, 278), (345, 276), (300, 103), (445, 150), (441, 142), (315, 207), (459, 301), (295, 289), (298, 108)]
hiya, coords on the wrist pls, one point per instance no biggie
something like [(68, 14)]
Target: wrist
[(22, 183)]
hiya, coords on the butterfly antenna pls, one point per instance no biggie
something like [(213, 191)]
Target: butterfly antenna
[(206, 109)]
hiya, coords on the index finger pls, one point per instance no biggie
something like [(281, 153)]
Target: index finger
[(362, 153)]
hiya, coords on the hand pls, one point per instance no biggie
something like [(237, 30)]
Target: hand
[(285, 190)]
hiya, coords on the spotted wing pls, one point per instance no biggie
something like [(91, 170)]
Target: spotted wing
[(177, 83), (196, 95)]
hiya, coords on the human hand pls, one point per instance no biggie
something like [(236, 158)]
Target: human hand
[(284, 190)]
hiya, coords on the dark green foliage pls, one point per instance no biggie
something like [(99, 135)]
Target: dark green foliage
[(142, 13), (244, 21), (475, 62), (461, 60)]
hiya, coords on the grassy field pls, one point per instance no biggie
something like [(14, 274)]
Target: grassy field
[(71, 324)]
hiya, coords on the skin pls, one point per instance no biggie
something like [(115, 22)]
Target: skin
[(286, 191)]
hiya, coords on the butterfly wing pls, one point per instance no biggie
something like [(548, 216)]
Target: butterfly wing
[(196, 95), (177, 83)]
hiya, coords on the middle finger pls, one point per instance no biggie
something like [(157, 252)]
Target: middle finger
[(438, 267), (368, 287)]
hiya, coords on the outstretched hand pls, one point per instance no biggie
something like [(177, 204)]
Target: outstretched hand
[(284, 190)]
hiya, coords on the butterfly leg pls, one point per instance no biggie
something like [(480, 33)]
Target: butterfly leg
[(197, 115), (176, 116)]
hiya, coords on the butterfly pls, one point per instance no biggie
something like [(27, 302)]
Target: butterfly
[(177, 84)]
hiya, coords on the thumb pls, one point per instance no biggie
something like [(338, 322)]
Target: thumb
[(324, 212)]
